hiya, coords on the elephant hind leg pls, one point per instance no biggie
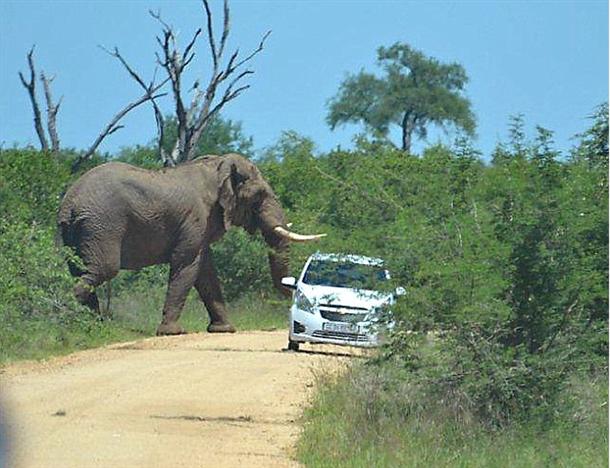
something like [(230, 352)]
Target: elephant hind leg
[(85, 294), (93, 273)]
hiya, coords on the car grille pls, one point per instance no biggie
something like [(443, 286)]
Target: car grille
[(339, 306), (334, 316), (344, 336)]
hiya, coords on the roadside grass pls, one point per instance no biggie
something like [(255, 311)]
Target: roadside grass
[(141, 312), (365, 417), (133, 315), (39, 339)]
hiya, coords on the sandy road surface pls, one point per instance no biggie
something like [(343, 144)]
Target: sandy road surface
[(192, 400)]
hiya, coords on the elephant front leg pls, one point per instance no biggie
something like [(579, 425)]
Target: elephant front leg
[(181, 279), (210, 292)]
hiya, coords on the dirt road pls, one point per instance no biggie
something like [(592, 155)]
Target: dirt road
[(192, 400)]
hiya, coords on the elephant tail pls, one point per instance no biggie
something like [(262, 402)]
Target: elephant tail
[(65, 227), (67, 235)]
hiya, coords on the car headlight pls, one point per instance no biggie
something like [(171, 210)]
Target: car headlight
[(302, 302)]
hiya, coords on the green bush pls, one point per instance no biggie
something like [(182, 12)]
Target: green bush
[(31, 184), (380, 415)]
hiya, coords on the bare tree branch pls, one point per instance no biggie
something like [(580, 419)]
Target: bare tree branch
[(225, 28), (113, 125), (229, 95), (206, 112), (31, 87), (167, 159), (173, 64), (254, 52), (193, 120), (157, 15), (52, 110), (211, 39), (187, 51)]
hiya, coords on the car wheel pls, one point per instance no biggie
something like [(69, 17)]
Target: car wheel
[(293, 345)]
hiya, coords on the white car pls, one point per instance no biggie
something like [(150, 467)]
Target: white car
[(339, 299)]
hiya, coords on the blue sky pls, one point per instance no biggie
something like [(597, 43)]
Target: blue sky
[(547, 60)]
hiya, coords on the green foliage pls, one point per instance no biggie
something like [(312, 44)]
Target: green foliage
[(241, 261), (221, 136), (509, 264), (594, 142), (31, 183), (142, 156), (414, 92)]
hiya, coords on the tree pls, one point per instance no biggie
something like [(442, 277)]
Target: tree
[(593, 147), (191, 120), (52, 108), (414, 92), (151, 93)]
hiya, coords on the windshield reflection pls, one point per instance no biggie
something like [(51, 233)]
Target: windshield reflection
[(345, 275)]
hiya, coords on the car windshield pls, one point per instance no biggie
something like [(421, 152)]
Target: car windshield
[(342, 274)]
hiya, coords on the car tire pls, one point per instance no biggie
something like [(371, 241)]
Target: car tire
[(293, 345)]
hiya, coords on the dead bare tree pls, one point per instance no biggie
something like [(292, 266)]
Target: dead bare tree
[(193, 119), (52, 109)]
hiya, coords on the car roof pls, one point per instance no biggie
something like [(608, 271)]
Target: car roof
[(360, 259)]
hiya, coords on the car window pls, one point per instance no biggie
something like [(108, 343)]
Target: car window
[(344, 275)]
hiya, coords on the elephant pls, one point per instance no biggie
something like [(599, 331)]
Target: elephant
[(117, 216)]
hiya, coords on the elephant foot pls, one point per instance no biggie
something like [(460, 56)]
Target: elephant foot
[(220, 327), (170, 329)]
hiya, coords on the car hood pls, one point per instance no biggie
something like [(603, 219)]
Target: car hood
[(348, 297)]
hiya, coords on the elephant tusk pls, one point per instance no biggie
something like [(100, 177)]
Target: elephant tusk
[(296, 237)]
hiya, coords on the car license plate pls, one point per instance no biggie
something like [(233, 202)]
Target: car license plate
[(340, 327)]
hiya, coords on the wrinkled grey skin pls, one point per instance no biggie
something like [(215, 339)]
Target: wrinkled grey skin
[(117, 216)]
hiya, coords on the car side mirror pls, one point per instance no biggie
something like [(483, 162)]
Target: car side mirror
[(400, 291), (289, 282)]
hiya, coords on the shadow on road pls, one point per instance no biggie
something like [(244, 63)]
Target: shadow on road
[(231, 420), (144, 347), (324, 353)]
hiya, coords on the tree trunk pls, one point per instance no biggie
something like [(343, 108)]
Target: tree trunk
[(31, 87), (407, 126)]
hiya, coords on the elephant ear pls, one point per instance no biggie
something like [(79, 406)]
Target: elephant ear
[(231, 180)]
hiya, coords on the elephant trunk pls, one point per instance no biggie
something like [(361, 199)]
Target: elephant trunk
[(279, 259), (272, 222), (271, 215)]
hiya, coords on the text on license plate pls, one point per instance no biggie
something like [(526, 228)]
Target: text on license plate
[(340, 327)]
